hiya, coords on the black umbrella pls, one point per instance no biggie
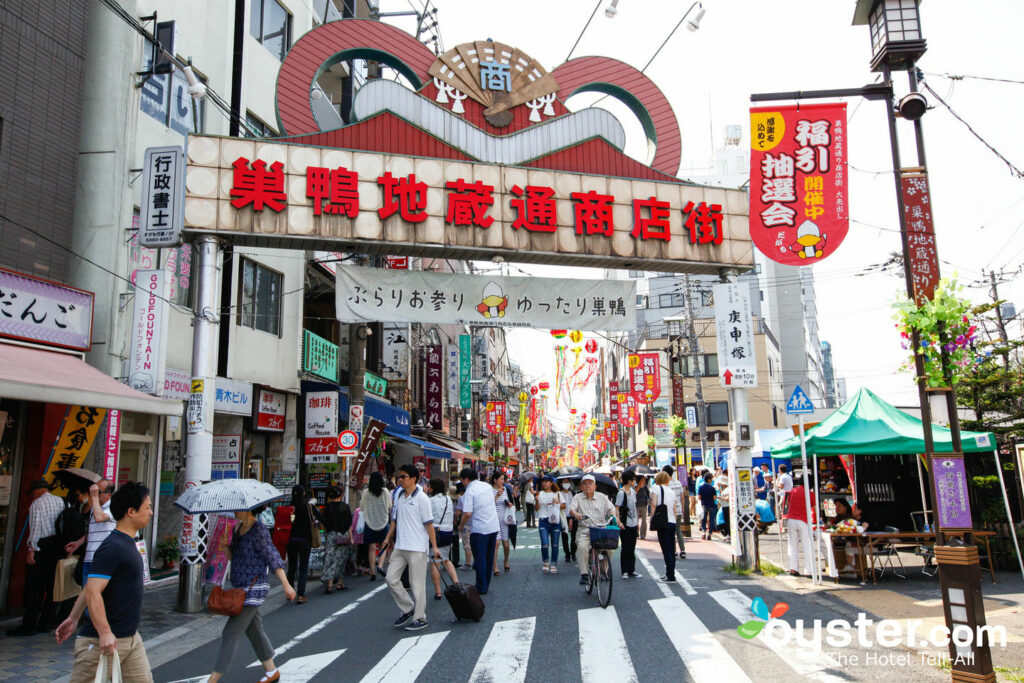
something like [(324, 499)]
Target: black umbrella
[(641, 469)]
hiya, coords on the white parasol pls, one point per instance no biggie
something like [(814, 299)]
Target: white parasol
[(227, 495)]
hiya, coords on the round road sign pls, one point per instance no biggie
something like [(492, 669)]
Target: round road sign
[(348, 440)]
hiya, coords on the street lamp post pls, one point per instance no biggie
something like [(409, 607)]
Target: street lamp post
[(896, 44)]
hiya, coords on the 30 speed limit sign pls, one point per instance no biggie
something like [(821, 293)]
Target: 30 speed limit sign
[(348, 440)]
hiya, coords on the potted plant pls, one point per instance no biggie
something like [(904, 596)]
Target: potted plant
[(167, 551), (476, 445), (651, 443)]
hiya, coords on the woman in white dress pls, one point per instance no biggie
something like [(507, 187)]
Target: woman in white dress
[(503, 506)]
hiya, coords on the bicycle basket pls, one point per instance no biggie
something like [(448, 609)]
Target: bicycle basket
[(603, 538)]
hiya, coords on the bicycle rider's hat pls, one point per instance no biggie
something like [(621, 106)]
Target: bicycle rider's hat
[(588, 477), (547, 477)]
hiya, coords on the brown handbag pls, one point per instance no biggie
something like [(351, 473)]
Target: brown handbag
[(228, 603), (315, 540)]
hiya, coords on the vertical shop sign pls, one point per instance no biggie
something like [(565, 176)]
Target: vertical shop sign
[(149, 332), (613, 400), (917, 216), (496, 416), (270, 411), (320, 444), (435, 387), (372, 435), (75, 438), (465, 372), (112, 448), (395, 356), (163, 197), (451, 372), (734, 327), (227, 456), (798, 181), (954, 508), (678, 398), (644, 376)]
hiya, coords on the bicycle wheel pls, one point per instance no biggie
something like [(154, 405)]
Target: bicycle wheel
[(604, 579), (592, 568)]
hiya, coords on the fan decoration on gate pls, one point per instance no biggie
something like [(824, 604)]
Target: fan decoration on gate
[(574, 369)]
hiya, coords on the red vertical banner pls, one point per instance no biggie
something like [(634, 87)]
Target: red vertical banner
[(644, 376), (678, 399), (495, 416), (917, 215), (632, 411), (435, 382), (533, 416), (798, 181)]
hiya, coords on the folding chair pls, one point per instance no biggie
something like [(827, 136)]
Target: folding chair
[(888, 551)]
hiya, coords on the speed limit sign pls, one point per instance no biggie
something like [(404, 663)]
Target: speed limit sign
[(348, 440)]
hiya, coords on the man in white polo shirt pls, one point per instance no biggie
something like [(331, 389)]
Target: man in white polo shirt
[(412, 521), (480, 515)]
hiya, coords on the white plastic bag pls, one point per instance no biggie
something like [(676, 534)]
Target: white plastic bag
[(109, 669)]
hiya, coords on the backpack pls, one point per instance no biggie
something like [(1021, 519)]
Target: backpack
[(71, 525)]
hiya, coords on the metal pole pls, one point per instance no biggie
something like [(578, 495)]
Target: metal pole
[(920, 481), (1009, 516), (815, 535), (698, 392), (199, 439)]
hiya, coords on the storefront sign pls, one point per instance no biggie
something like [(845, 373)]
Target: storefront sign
[(496, 416), (954, 508), (199, 405), (798, 181), (368, 444), (451, 374), (227, 456), (319, 357), (435, 387), (77, 433), (149, 331), (398, 262), (163, 197), (659, 412), (367, 294), (375, 385), (447, 209), (465, 371), (40, 311), (734, 325), (177, 264), (645, 376), (917, 216), (270, 411), (395, 356), (233, 397), (613, 400), (678, 397), (177, 384), (320, 444), (112, 448)]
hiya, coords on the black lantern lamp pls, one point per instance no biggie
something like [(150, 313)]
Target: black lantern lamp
[(896, 38)]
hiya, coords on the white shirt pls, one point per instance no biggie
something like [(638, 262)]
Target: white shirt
[(548, 503), (444, 511), (412, 514), (627, 498), (98, 531), (479, 502), (785, 482), (677, 487), (671, 500)]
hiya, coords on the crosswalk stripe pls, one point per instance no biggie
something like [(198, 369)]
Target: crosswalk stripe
[(665, 590), (705, 658), (405, 661), (506, 653), (301, 669), (603, 652), (804, 661)]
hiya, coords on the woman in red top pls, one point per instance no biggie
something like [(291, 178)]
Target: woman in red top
[(799, 531)]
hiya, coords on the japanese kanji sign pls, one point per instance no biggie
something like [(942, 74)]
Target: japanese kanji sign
[(734, 326), (495, 416), (270, 411), (372, 434), (320, 444), (149, 332), (954, 506), (451, 373), (465, 371), (39, 311), (367, 294), (917, 214), (435, 387), (613, 400), (319, 356), (77, 433), (395, 354), (798, 181), (644, 376), (163, 197), (392, 205), (678, 399)]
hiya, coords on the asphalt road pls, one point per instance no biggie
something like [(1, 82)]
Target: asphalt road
[(547, 629)]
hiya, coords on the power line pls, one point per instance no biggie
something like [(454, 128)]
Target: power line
[(961, 77), (585, 26)]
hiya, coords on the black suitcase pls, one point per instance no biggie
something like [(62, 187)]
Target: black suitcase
[(464, 599)]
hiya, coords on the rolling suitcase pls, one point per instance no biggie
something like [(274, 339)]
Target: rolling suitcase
[(464, 598)]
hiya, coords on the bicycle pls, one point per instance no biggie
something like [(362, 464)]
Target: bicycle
[(605, 540)]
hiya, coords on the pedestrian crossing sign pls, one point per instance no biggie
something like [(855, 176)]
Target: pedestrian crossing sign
[(798, 403)]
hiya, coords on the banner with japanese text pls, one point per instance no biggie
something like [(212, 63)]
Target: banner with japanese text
[(369, 294), (320, 444), (495, 416), (77, 433), (645, 376), (435, 387), (798, 181)]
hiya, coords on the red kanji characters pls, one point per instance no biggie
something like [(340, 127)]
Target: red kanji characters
[(536, 211), (704, 222), (258, 186), (407, 196), (468, 202), (658, 218), (593, 213), (339, 186)]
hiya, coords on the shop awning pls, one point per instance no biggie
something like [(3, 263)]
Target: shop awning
[(29, 374), (867, 424), (458, 449), (404, 442)]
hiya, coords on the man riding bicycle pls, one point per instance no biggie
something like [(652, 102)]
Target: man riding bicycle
[(589, 507)]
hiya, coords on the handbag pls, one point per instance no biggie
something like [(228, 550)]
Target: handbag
[(529, 498), (315, 540), (227, 603), (64, 585), (659, 520), (109, 669)]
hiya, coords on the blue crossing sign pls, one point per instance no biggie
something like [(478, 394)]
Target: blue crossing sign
[(798, 403)]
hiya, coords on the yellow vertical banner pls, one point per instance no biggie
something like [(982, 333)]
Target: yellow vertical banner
[(75, 438)]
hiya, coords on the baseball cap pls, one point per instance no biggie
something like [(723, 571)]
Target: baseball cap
[(588, 477)]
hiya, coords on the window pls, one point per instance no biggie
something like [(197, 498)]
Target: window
[(165, 97), (636, 273), (271, 24), (670, 300), (259, 298), (254, 127), (718, 413), (709, 365)]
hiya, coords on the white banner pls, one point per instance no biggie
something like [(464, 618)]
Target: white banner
[(734, 325), (149, 332), (369, 294), (451, 373), (395, 354)]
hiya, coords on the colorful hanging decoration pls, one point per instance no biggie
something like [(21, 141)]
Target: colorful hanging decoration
[(575, 336), (559, 334), (591, 346), (544, 386)]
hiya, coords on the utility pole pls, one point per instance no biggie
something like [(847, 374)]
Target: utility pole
[(694, 362), (999, 318)]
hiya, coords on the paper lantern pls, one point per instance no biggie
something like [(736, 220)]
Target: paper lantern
[(534, 390), (558, 334), (544, 386), (591, 346), (576, 336)]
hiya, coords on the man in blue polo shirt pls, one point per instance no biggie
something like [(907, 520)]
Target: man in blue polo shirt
[(113, 594)]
